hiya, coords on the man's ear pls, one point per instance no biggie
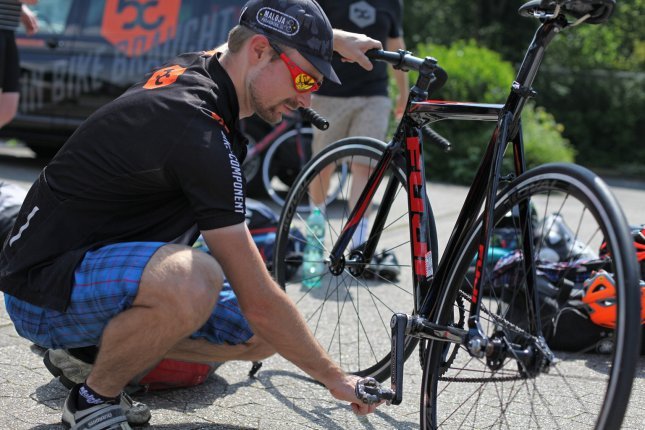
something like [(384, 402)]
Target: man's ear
[(259, 49)]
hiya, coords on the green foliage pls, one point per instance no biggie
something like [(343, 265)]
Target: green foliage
[(474, 73), (592, 78), (543, 141), (479, 74), (492, 23), (616, 45), (603, 115)]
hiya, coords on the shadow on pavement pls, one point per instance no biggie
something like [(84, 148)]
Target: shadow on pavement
[(322, 414)]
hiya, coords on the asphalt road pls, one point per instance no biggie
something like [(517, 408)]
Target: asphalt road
[(278, 397)]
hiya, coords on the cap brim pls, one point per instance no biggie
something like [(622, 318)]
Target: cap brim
[(323, 67)]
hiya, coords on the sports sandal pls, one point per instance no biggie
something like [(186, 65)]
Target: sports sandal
[(68, 369), (71, 371), (106, 416)]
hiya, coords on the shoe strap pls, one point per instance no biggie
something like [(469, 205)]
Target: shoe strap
[(106, 416)]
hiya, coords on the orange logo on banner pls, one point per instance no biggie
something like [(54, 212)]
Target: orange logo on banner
[(163, 77), (133, 26)]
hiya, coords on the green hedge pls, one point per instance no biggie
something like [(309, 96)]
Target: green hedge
[(480, 75), (603, 116)]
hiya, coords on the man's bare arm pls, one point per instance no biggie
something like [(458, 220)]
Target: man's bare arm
[(272, 315)]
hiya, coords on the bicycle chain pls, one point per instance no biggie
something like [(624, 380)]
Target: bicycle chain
[(502, 322)]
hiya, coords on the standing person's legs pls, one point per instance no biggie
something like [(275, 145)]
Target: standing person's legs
[(353, 116), (9, 77), (371, 121), (339, 114)]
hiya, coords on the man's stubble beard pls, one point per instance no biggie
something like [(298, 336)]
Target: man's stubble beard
[(269, 114)]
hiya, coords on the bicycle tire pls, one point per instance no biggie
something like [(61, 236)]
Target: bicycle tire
[(459, 391), (254, 130), (282, 164), (360, 337)]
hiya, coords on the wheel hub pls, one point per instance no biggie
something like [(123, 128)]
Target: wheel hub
[(356, 263), (338, 266)]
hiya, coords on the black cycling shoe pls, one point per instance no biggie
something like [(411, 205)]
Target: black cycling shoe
[(72, 371), (106, 416)]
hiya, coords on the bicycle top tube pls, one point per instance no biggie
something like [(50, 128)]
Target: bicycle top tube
[(435, 110)]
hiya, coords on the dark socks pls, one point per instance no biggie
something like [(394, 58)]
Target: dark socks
[(88, 398)]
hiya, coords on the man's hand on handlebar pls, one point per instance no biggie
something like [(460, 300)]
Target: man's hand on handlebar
[(352, 47)]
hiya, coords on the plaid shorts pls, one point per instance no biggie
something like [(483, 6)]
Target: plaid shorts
[(105, 284)]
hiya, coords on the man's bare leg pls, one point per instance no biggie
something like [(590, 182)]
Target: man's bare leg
[(8, 107), (319, 187), (177, 293)]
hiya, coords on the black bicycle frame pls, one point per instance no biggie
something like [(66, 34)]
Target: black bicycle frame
[(408, 143)]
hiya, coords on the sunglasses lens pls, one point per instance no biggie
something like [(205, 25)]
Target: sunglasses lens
[(304, 82)]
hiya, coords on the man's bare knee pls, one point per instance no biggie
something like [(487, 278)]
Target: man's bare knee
[(185, 280)]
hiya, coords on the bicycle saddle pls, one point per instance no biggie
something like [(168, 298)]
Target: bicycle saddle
[(599, 11)]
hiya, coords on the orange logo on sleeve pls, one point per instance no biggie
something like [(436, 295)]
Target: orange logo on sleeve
[(163, 77)]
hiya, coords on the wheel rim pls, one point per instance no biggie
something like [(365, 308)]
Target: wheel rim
[(277, 188), (580, 390)]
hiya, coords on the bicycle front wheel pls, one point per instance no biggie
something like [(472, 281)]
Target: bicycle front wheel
[(350, 312), (578, 232)]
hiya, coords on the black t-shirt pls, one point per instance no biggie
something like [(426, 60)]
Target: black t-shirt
[(379, 19), (148, 166)]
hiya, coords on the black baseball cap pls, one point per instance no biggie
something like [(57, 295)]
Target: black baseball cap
[(300, 24)]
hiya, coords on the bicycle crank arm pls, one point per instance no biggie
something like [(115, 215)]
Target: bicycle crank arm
[(368, 390), (399, 325)]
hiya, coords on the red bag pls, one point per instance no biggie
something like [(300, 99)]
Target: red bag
[(167, 374), (170, 374)]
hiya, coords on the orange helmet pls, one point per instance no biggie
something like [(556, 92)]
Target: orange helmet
[(600, 297), (639, 243), (638, 233)]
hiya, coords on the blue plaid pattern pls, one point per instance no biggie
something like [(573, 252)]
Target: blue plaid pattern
[(105, 284)]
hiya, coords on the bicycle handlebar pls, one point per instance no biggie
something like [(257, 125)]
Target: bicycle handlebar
[(403, 60), (314, 118), (431, 75)]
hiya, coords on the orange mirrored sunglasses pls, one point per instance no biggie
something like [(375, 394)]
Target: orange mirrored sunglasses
[(303, 82)]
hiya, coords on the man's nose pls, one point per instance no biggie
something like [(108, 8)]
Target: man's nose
[(304, 100)]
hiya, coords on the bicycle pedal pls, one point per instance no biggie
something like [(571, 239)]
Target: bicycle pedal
[(369, 391)]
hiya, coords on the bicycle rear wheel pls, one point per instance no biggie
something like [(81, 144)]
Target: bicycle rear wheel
[(349, 314), (581, 390)]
